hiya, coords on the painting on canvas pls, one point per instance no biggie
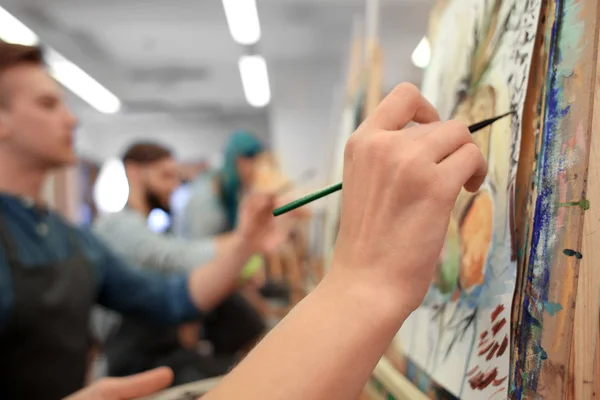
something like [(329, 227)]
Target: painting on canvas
[(459, 339)]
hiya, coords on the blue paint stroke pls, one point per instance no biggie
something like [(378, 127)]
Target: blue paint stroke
[(425, 384), (552, 308), (529, 353), (539, 350), (527, 366)]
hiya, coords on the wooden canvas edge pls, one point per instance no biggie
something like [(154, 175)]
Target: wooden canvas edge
[(525, 181), (543, 344), (396, 383), (370, 392)]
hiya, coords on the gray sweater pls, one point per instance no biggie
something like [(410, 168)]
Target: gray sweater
[(127, 233)]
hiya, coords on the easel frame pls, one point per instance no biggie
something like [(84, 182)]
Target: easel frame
[(555, 313)]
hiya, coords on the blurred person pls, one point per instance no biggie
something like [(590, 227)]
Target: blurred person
[(51, 272), (234, 325), (384, 259), (212, 206), (211, 209)]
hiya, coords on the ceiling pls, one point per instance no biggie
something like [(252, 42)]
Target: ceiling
[(177, 57)]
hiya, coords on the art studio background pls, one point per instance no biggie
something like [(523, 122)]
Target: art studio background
[(300, 76), (173, 72)]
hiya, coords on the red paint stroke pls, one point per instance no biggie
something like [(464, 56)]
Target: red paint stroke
[(491, 353), (483, 335), (481, 380), (497, 311), (499, 381), (503, 346), (497, 392), (498, 325), (474, 381), (482, 352), (483, 343), (472, 371)]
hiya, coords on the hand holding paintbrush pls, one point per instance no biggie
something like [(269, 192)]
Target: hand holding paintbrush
[(400, 185), (338, 186)]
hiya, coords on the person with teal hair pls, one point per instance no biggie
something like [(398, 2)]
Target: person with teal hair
[(212, 205), (237, 174)]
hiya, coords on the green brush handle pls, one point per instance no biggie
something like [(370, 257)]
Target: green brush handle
[(307, 199), (334, 188)]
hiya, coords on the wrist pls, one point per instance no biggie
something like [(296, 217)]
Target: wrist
[(242, 244), (382, 303)]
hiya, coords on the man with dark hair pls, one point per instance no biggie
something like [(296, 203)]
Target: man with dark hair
[(132, 346), (18, 55), (52, 273)]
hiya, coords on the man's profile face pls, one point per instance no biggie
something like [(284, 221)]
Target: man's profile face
[(34, 119), (160, 180)]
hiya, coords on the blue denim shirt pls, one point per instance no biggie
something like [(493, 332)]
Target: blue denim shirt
[(42, 238)]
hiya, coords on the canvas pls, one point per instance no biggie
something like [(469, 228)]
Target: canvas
[(459, 338)]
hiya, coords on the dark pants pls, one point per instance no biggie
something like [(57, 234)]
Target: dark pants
[(231, 327), (188, 366)]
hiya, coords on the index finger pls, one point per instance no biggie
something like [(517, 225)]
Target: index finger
[(466, 167), (404, 104)]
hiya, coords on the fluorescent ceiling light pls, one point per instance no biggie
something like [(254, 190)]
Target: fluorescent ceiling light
[(83, 85), (14, 31), (422, 54), (242, 18), (255, 80), (64, 71)]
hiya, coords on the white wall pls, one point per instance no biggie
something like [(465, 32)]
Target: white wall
[(191, 137), (301, 116), (308, 96)]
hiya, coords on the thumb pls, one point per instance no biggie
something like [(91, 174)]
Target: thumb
[(140, 385)]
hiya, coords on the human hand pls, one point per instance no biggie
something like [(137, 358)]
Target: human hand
[(400, 185), (189, 335), (257, 225), (130, 387), (258, 280), (254, 272)]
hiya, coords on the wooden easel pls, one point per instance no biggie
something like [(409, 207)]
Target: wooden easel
[(570, 362), (586, 362)]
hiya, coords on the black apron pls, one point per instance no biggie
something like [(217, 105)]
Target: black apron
[(137, 346), (44, 347)]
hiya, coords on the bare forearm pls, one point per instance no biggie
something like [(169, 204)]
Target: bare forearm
[(213, 282), (223, 241), (325, 349)]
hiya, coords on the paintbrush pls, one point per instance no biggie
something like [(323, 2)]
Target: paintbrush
[(338, 186)]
